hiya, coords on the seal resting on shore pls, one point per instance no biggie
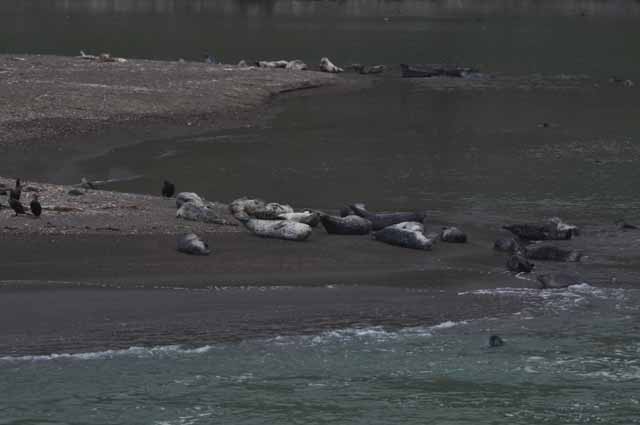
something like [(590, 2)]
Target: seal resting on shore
[(546, 252), (507, 245), (404, 238), (311, 218), (192, 244), (557, 280), (411, 226), (327, 66), (244, 208), (210, 213), (453, 234), (278, 229), (349, 225), (296, 65), (168, 189), (184, 197), (518, 263), (36, 208), (382, 220), (540, 232), (271, 211)]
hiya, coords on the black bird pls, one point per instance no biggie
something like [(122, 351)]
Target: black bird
[(168, 189), (16, 206), (36, 208), (16, 192), (495, 341)]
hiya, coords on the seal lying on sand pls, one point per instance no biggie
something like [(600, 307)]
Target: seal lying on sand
[(411, 226), (404, 238), (270, 211), (557, 280), (278, 229), (327, 66), (507, 245), (380, 221), (517, 263), (349, 225), (192, 244), (547, 252), (183, 197), (453, 234), (539, 232), (312, 218), (210, 213)]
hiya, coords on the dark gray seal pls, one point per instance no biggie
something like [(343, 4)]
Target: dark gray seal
[(495, 341), (509, 245), (546, 252), (553, 229), (382, 220), (517, 263), (192, 244), (557, 280), (349, 225), (453, 234), (404, 238)]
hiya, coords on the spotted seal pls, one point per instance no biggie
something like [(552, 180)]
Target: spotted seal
[(546, 252), (349, 225), (404, 238), (278, 229), (453, 234), (381, 220), (190, 243), (183, 197)]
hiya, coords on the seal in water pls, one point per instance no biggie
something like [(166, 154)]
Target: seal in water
[(36, 208), (507, 245), (270, 211), (168, 189), (517, 263), (404, 238), (278, 229), (349, 225), (557, 280), (192, 244), (380, 221), (548, 252), (495, 341), (327, 66), (188, 197), (453, 234)]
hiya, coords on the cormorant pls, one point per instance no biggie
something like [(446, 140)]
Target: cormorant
[(36, 208), (16, 206), (168, 189), (16, 192)]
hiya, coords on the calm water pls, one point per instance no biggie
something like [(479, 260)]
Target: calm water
[(472, 152)]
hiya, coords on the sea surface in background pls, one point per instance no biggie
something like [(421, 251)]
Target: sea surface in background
[(543, 133)]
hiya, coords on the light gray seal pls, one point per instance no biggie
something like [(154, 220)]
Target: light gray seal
[(278, 229), (380, 221), (546, 252), (271, 211), (183, 197), (453, 234), (404, 238), (192, 244), (349, 225), (244, 208), (557, 280), (327, 66)]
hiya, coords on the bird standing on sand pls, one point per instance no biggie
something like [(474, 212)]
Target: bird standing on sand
[(16, 206), (36, 208), (14, 194), (168, 189)]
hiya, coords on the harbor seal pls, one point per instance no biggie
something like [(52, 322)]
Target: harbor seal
[(518, 263), (327, 66), (507, 245), (453, 234), (381, 220), (183, 197), (495, 341), (546, 252), (270, 211), (539, 232), (296, 65), (244, 208), (190, 243), (278, 229), (404, 238), (349, 225), (312, 218), (557, 280), (210, 213)]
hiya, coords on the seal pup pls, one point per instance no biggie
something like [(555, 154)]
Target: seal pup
[(546, 252), (36, 208), (518, 263), (349, 225), (404, 238), (243, 208), (190, 243), (453, 234), (327, 66), (557, 280), (381, 220), (495, 341), (278, 229), (16, 206), (168, 189)]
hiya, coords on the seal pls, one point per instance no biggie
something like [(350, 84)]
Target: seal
[(411, 226), (495, 341), (296, 65), (453, 234), (278, 229), (518, 263), (380, 221), (327, 66), (312, 218), (507, 245), (212, 212), (244, 208), (557, 280), (183, 197), (270, 211), (190, 243), (546, 252), (349, 225), (404, 238), (273, 64), (538, 232)]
